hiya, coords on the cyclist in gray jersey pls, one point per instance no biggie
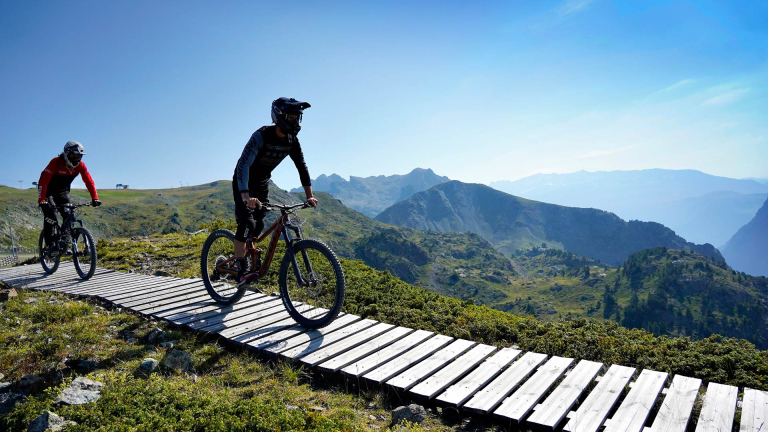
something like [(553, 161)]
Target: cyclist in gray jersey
[(265, 150)]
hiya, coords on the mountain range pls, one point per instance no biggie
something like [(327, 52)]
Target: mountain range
[(699, 207), (747, 250), (371, 195), (510, 223)]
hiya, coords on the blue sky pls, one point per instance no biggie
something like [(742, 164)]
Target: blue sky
[(163, 93)]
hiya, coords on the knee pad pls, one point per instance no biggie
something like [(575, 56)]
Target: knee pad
[(244, 229)]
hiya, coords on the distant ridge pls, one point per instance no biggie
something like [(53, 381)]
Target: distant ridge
[(700, 207), (371, 195), (510, 222), (747, 251)]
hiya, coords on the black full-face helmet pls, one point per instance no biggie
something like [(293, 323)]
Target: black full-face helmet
[(73, 153), (287, 113)]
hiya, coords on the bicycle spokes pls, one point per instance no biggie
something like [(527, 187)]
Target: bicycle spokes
[(315, 287)]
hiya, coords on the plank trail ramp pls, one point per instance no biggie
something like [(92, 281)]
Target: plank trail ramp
[(523, 399), (473, 377), (636, 407), (676, 409), (593, 412), (718, 409), (556, 406)]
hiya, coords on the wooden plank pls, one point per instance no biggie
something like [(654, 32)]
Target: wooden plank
[(105, 285), (364, 350), (126, 288), (522, 401), (593, 412), (408, 378), (754, 411), (229, 313), (460, 392), (377, 358), (154, 309), (211, 308), (676, 409), (344, 345), (718, 409), (433, 385), (217, 323), (264, 321), (149, 295), (114, 276), (634, 410), (559, 403), (74, 280), (408, 359), (313, 340), (266, 330), (281, 338), (487, 399)]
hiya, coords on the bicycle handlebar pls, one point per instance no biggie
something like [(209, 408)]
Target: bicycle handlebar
[(73, 206), (270, 206)]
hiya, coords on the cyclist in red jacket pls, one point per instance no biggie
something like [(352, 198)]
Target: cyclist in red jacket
[(54, 185)]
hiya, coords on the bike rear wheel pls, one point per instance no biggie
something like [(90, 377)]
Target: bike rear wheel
[(314, 299), (84, 253), (50, 265), (219, 247)]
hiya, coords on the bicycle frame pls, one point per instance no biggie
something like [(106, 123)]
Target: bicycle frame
[(68, 225), (278, 228)]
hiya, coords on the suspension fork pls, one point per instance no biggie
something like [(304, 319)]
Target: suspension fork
[(304, 255)]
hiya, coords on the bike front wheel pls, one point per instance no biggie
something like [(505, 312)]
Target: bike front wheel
[(50, 265), (217, 264), (84, 252), (313, 286)]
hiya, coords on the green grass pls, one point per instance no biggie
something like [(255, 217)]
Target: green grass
[(224, 390)]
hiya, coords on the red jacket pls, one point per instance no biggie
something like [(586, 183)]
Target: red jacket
[(57, 178)]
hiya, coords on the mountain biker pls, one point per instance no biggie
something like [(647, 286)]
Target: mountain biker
[(54, 185), (265, 150)]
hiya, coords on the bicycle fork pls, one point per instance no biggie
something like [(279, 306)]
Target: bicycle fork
[(294, 263)]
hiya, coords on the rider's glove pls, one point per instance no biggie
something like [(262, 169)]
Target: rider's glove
[(43, 204), (95, 203)]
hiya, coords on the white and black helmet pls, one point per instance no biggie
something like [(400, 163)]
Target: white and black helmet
[(73, 153)]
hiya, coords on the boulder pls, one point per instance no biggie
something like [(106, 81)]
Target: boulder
[(81, 391), (413, 413), (178, 360), (81, 365), (5, 294), (48, 421), (148, 365)]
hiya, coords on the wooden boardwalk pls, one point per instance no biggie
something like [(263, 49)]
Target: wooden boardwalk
[(518, 388)]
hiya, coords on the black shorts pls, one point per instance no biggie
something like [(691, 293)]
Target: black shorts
[(249, 223)]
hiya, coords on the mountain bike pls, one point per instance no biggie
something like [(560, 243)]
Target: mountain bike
[(311, 281), (69, 239)]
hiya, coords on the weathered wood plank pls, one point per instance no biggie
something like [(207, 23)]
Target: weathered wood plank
[(754, 411), (634, 410), (487, 399), (718, 409), (433, 385), (163, 296), (460, 392), (211, 308), (219, 323), (408, 359), (281, 339), (415, 374), (593, 412), (377, 358), (371, 346), (331, 351), (255, 324), (522, 401), (552, 411), (121, 291), (676, 409), (310, 342)]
